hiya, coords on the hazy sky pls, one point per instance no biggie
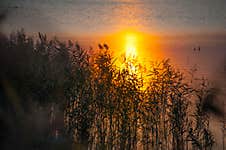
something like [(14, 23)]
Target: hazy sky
[(101, 16), (185, 24)]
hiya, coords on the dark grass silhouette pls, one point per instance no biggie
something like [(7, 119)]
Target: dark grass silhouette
[(100, 106)]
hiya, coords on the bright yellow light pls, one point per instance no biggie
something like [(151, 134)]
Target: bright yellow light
[(134, 50), (131, 46)]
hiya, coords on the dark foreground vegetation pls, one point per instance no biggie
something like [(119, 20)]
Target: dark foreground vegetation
[(100, 106)]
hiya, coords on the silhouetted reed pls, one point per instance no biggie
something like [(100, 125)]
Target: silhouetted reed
[(104, 106)]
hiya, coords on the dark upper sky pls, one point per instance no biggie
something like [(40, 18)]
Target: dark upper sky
[(101, 16)]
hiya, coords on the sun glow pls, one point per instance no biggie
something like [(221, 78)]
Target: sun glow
[(131, 46), (134, 50)]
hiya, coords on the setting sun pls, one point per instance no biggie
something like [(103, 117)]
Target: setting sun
[(134, 45), (131, 46)]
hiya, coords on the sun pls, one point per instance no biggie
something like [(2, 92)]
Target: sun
[(131, 46)]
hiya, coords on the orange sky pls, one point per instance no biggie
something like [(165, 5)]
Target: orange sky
[(163, 28)]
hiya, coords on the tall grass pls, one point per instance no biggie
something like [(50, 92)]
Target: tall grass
[(107, 107)]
